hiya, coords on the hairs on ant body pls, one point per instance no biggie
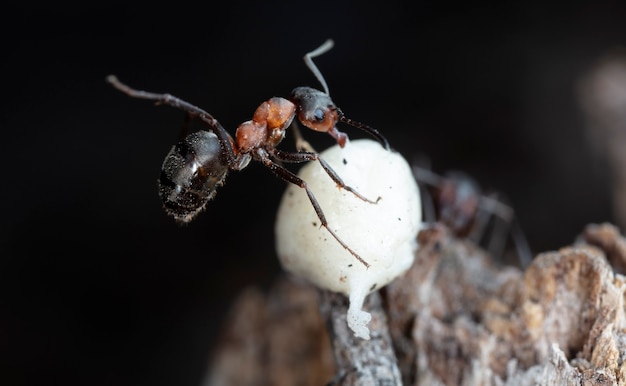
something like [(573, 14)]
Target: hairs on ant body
[(197, 165)]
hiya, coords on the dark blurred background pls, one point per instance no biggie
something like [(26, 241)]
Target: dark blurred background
[(98, 286)]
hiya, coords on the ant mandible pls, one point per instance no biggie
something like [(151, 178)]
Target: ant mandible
[(196, 166)]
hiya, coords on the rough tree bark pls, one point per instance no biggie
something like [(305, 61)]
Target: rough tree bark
[(360, 362), (455, 318)]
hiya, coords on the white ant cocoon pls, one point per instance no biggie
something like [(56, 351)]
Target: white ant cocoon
[(384, 234)]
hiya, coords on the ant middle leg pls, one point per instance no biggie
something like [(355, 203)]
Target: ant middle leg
[(305, 156), (288, 176)]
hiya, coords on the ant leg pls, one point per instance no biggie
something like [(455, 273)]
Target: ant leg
[(521, 244), (492, 204), (497, 241), (311, 156), (288, 176), (226, 142), (428, 206), (478, 230), (522, 249), (335, 177), (491, 207), (507, 214), (425, 177)]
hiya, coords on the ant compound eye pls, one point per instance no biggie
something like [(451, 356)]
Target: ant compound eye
[(319, 115), (320, 119)]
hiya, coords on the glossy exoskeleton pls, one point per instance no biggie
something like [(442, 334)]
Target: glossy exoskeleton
[(190, 175), (198, 165)]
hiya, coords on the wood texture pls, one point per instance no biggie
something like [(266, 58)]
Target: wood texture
[(455, 318)]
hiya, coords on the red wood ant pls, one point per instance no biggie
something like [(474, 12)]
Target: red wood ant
[(457, 201), (196, 166)]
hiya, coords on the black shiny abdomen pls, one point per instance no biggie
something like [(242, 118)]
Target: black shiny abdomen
[(190, 175)]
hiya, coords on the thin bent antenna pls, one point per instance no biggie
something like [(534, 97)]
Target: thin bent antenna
[(308, 59)]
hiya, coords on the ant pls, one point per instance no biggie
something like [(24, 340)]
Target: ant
[(456, 200), (197, 165)]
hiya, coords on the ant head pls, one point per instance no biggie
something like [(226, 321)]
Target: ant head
[(315, 109), (318, 112)]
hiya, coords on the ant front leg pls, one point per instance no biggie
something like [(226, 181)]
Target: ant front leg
[(288, 176), (304, 156)]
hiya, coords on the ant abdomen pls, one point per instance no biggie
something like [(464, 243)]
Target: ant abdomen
[(190, 175), (197, 166)]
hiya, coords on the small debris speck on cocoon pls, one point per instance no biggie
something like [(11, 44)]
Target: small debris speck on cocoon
[(384, 234)]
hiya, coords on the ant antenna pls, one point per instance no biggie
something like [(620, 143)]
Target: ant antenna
[(308, 59), (318, 112), (198, 164), (367, 128)]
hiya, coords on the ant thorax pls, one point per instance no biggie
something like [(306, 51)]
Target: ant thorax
[(197, 165), (267, 126), (381, 223)]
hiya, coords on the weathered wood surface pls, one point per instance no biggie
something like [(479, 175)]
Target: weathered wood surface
[(359, 361), (455, 318)]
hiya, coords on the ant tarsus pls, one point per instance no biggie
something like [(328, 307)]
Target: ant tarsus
[(197, 165)]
